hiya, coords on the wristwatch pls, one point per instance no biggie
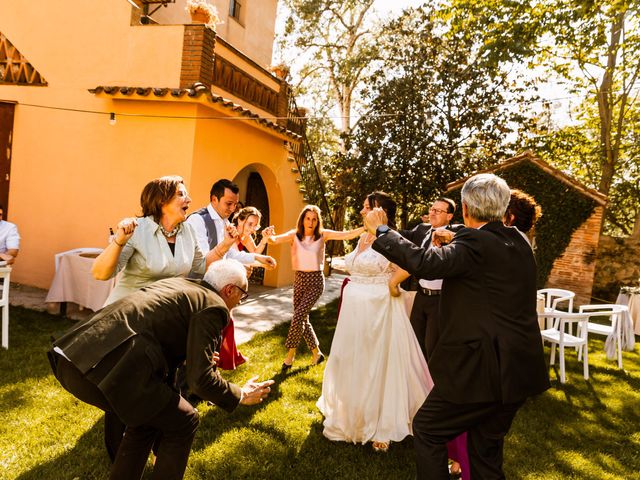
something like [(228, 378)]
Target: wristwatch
[(382, 230)]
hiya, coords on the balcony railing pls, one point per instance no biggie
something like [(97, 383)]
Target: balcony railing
[(232, 79)]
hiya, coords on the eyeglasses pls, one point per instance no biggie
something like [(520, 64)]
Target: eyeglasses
[(436, 210), (244, 295)]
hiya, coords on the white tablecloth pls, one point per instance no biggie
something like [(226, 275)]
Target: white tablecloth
[(73, 282), (633, 302)]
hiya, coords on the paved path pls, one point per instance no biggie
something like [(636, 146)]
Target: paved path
[(265, 308)]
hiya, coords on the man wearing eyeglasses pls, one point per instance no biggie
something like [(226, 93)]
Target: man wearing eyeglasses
[(425, 312), (122, 361)]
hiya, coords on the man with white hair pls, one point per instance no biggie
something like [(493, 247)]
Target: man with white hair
[(122, 361), (489, 356)]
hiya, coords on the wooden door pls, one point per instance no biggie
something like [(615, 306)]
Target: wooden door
[(6, 136), (257, 197)]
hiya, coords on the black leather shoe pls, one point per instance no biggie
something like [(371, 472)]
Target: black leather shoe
[(285, 367), (319, 360)]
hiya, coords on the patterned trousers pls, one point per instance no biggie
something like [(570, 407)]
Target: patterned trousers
[(307, 288)]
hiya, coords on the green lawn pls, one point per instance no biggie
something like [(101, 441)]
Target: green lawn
[(582, 430)]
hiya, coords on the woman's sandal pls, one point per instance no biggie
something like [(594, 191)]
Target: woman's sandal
[(381, 446), (286, 367), (318, 360)]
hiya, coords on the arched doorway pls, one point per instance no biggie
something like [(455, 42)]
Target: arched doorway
[(256, 196)]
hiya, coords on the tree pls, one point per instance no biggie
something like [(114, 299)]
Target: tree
[(336, 43), (438, 111), (575, 149), (593, 45)]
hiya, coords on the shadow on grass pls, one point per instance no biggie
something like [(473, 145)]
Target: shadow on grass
[(29, 339), (86, 460)]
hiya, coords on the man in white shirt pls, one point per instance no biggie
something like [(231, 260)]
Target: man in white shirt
[(210, 222), (9, 239), (425, 313)]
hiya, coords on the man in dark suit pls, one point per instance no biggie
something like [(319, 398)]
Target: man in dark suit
[(122, 360), (489, 357), (425, 312)]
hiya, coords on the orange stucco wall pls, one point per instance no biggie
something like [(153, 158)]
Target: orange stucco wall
[(215, 158), (73, 174)]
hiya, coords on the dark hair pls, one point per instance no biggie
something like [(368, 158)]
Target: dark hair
[(245, 213), (218, 188), (384, 201), (526, 212), (451, 205), (300, 224), (157, 193)]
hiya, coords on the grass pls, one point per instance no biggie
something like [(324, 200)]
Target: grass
[(580, 430)]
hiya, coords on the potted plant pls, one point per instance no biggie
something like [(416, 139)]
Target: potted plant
[(280, 70), (202, 11)]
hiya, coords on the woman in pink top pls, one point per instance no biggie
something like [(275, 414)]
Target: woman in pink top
[(307, 260)]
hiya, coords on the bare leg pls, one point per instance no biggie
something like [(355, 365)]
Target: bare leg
[(291, 355)]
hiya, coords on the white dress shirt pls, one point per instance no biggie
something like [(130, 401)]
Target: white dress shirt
[(9, 236), (197, 222), (431, 284)]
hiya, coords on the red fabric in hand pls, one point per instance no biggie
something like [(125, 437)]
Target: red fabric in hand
[(230, 357)]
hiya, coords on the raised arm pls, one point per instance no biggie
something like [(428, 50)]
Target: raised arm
[(342, 235), (282, 238), (266, 233), (104, 266)]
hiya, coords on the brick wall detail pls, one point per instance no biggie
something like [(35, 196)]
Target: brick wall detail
[(197, 55), (574, 270)]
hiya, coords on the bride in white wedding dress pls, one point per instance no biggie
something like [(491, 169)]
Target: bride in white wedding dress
[(376, 377)]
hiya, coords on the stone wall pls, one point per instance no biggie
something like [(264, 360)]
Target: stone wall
[(617, 265), (575, 269)]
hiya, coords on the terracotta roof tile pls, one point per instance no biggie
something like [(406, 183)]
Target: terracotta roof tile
[(197, 92)]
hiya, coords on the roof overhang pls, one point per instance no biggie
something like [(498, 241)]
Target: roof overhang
[(200, 95)]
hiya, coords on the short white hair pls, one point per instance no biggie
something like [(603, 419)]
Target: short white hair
[(226, 272), (486, 197)]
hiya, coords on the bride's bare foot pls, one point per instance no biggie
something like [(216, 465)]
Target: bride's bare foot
[(381, 446)]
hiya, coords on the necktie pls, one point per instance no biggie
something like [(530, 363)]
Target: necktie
[(427, 239)]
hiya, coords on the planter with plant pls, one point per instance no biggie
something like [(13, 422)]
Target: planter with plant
[(202, 11)]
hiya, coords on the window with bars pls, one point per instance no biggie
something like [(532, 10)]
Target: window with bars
[(235, 6)]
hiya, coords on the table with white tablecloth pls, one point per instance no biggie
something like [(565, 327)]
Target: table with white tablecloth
[(632, 300), (73, 282)]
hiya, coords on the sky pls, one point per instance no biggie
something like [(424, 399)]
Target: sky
[(396, 6)]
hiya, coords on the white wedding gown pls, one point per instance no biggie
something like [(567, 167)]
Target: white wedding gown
[(376, 378)]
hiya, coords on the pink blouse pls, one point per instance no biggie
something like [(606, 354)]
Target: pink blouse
[(307, 255)]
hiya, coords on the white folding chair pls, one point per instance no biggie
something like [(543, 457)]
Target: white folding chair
[(559, 335), (58, 256), (5, 277), (555, 296), (612, 314)]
